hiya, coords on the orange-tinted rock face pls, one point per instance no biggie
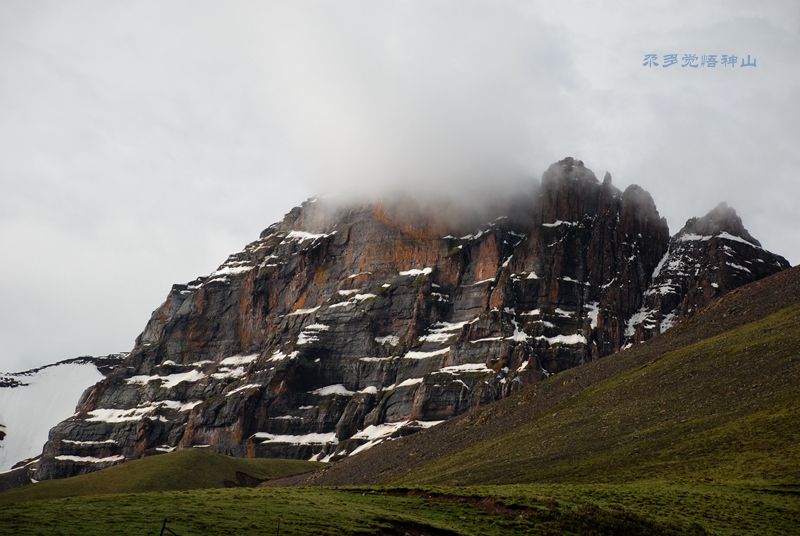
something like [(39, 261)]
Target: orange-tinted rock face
[(341, 327)]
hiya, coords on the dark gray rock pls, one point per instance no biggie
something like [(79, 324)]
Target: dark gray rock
[(707, 258)]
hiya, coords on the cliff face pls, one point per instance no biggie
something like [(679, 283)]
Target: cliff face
[(341, 327), (708, 257)]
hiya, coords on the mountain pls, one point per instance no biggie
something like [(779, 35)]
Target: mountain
[(346, 325), (712, 400), (695, 431), (708, 257), (33, 401)]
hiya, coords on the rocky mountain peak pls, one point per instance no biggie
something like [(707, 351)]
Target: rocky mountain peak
[(639, 206), (570, 191), (708, 257), (567, 170), (722, 218), (346, 325), (635, 194)]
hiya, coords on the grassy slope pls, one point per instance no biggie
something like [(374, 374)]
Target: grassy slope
[(635, 508), (312, 511), (722, 409), (180, 470)]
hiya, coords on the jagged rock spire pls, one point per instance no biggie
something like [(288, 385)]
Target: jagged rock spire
[(708, 257), (721, 218)]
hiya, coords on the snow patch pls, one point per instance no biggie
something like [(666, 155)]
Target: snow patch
[(349, 292), (593, 309), (466, 367), (224, 373), (391, 340), (379, 431), (89, 443), (302, 236), (30, 411), (138, 413), (425, 355), (667, 322), (90, 459), (738, 267), (667, 288), (563, 339), (416, 271), (310, 333), (375, 434), (308, 311), (230, 270), (170, 380), (280, 356), (238, 360), (519, 335), (659, 266), (727, 236), (330, 390), (486, 339), (690, 237), (637, 318), (347, 303), (405, 383), (243, 388), (444, 331), (301, 439)]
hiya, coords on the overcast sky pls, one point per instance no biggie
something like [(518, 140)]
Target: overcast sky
[(142, 142)]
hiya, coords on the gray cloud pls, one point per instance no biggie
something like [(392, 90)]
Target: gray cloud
[(145, 141)]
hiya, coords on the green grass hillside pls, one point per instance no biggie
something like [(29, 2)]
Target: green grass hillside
[(312, 511), (180, 470), (723, 409)]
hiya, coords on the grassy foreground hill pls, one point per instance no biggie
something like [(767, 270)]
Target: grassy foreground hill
[(696, 431), (181, 470)]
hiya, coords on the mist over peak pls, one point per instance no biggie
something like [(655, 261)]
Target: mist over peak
[(399, 106), (123, 122)]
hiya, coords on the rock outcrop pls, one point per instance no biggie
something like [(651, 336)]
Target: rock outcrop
[(707, 258), (341, 327)]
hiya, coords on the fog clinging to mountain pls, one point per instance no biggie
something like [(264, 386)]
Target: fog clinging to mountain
[(146, 141)]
